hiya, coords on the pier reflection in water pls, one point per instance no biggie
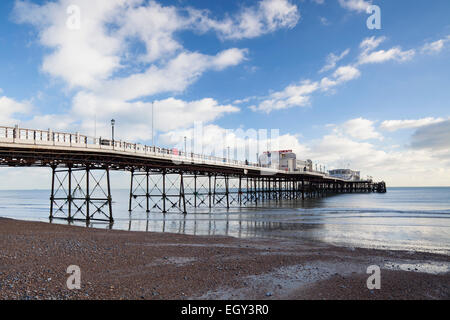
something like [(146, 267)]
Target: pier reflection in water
[(212, 225), (238, 222)]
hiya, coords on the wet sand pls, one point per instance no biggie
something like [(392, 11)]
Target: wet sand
[(116, 264)]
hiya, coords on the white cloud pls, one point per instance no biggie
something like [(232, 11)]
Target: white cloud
[(397, 167), (371, 43), (291, 96), (394, 125), (134, 118), (154, 25), (436, 46), (264, 17), (343, 147), (380, 56), (57, 122), (353, 143), (240, 101), (341, 75), (355, 5), (92, 114), (93, 53), (227, 58), (369, 56), (10, 108), (279, 13), (346, 73), (175, 76), (324, 21), (80, 57), (300, 95), (99, 61), (333, 59), (360, 129)]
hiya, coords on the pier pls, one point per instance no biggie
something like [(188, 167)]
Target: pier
[(162, 180)]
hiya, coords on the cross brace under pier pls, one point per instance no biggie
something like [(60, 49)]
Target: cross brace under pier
[(175, 192), (84, 192), (81, 193)]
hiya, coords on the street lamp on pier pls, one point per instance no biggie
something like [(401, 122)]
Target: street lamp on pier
[(113, 122)]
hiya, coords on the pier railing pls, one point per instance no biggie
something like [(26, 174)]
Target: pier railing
[(76, 140)]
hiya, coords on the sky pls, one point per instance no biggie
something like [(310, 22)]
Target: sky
[(340, 93)]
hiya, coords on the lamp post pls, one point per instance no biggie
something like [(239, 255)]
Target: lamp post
[(113, 122), (185, 148), (153, 125)]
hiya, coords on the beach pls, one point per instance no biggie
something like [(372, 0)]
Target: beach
[(118, 264), (277, 150)]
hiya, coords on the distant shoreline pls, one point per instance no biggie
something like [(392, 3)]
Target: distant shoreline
[(144, 265)]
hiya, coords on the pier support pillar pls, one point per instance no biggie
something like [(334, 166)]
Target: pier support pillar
[(74, 197), (157, 191)]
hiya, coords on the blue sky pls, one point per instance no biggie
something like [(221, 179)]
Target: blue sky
[(240, 64)]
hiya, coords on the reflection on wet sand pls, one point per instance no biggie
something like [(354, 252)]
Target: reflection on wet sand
[(250, 223)]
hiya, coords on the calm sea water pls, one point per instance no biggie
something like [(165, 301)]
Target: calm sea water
[(403, 218)]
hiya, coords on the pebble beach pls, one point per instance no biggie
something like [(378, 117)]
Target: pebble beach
[(127, 265)]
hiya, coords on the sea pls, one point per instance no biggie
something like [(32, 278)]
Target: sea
[(416, 219)]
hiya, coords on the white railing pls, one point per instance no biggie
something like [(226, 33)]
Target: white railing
[(53, 138), (62, 139)]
